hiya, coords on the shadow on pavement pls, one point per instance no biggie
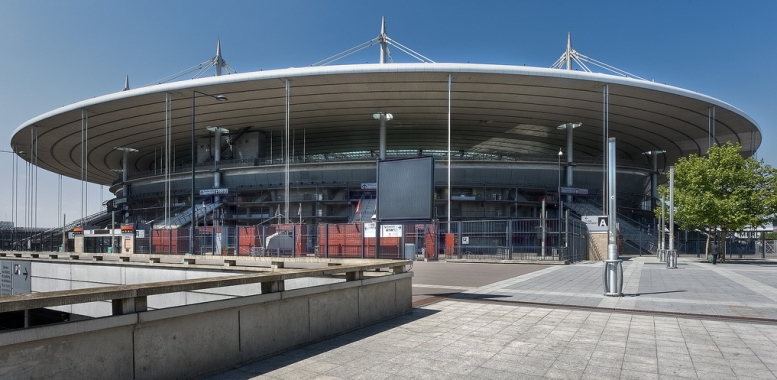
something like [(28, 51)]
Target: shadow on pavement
[(264, 365)]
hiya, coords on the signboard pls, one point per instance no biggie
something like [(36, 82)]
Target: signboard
[(596, 223), (214, 191), (15, 277), (573, 191), (391, 230), (369, 185), (21, 277), (6, 281), (369, 230)]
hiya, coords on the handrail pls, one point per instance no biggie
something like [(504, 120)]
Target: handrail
[(121, 292)]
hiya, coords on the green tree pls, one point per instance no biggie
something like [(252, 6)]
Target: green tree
[(722, 192)]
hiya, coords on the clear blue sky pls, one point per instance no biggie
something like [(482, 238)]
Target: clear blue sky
[(59, 52)]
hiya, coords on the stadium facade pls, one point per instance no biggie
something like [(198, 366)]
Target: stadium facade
[(301, 144)]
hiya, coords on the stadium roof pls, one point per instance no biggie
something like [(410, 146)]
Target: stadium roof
[(494, 109)]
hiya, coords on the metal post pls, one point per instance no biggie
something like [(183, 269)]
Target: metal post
[(449, 151), (671, 255), (661, 232), (382, 137), (613, 269), (286, 169), (194, 164), (542, 220), (605, 135)]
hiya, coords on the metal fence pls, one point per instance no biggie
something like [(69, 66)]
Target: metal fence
[(520, 239)]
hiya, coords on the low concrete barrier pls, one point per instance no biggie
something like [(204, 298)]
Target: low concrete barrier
[(193, 340)]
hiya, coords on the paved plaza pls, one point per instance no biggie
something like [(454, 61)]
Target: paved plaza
[(698, 321)]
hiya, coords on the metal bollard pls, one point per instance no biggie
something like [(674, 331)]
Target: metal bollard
[(671, 258), (613, 278)]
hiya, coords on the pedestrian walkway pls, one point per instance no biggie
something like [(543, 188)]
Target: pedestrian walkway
[(555, 323)]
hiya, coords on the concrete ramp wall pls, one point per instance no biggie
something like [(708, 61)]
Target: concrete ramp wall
[(193, 340)]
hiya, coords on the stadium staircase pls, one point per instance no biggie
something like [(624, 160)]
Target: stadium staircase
[(365, 210), (632, 232), (184, 217)]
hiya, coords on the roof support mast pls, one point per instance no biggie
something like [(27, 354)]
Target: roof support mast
[(382, 39), (219, 60), (569, 51)]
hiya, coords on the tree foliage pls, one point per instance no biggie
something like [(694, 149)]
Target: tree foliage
[(722, 191)]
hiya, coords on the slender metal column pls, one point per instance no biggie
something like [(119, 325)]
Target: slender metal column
[(605, 136), (449, 152), (286, 194), (671, 207), (654, 179), (613, 268), (382, 137), (194, 165), (542, 219), (671, 259), (612, 243)]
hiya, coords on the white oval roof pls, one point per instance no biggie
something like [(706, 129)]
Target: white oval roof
[(494, 109)]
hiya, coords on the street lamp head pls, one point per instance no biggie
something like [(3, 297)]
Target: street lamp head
[(378, 115)]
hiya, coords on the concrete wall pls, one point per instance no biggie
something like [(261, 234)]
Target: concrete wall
[(597, 246), (192, 340), (52, 276)]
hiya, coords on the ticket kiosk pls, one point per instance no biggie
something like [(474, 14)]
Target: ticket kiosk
[(127, 238)]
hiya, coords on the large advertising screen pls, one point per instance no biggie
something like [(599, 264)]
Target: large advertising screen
[(406, 189)]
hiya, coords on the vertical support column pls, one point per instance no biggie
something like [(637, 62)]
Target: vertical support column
[(542, 220), (510, 239), (570, 157), (216, 159), (671, 256), (286, 194), (194, 165), (605, 137), (449, 152), (124, 171), (613, 266), (654, 179), (382, 137), (661, 232)]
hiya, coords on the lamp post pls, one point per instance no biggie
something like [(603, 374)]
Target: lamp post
[(220, 98), (560, 202)]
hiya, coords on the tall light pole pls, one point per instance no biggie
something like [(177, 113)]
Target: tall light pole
[(560, 202), (220, 98)]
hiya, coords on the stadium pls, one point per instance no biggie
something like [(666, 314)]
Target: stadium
[(250, 153)]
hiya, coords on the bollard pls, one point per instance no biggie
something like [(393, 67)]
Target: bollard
[(613, 273), (613, 278), (671, 258)]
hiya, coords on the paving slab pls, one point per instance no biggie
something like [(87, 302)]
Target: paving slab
[(698, 321)]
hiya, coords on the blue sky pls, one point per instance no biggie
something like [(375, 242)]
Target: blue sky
[(56, 53)]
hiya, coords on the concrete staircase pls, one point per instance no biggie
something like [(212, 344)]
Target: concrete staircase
[(632, 232)]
